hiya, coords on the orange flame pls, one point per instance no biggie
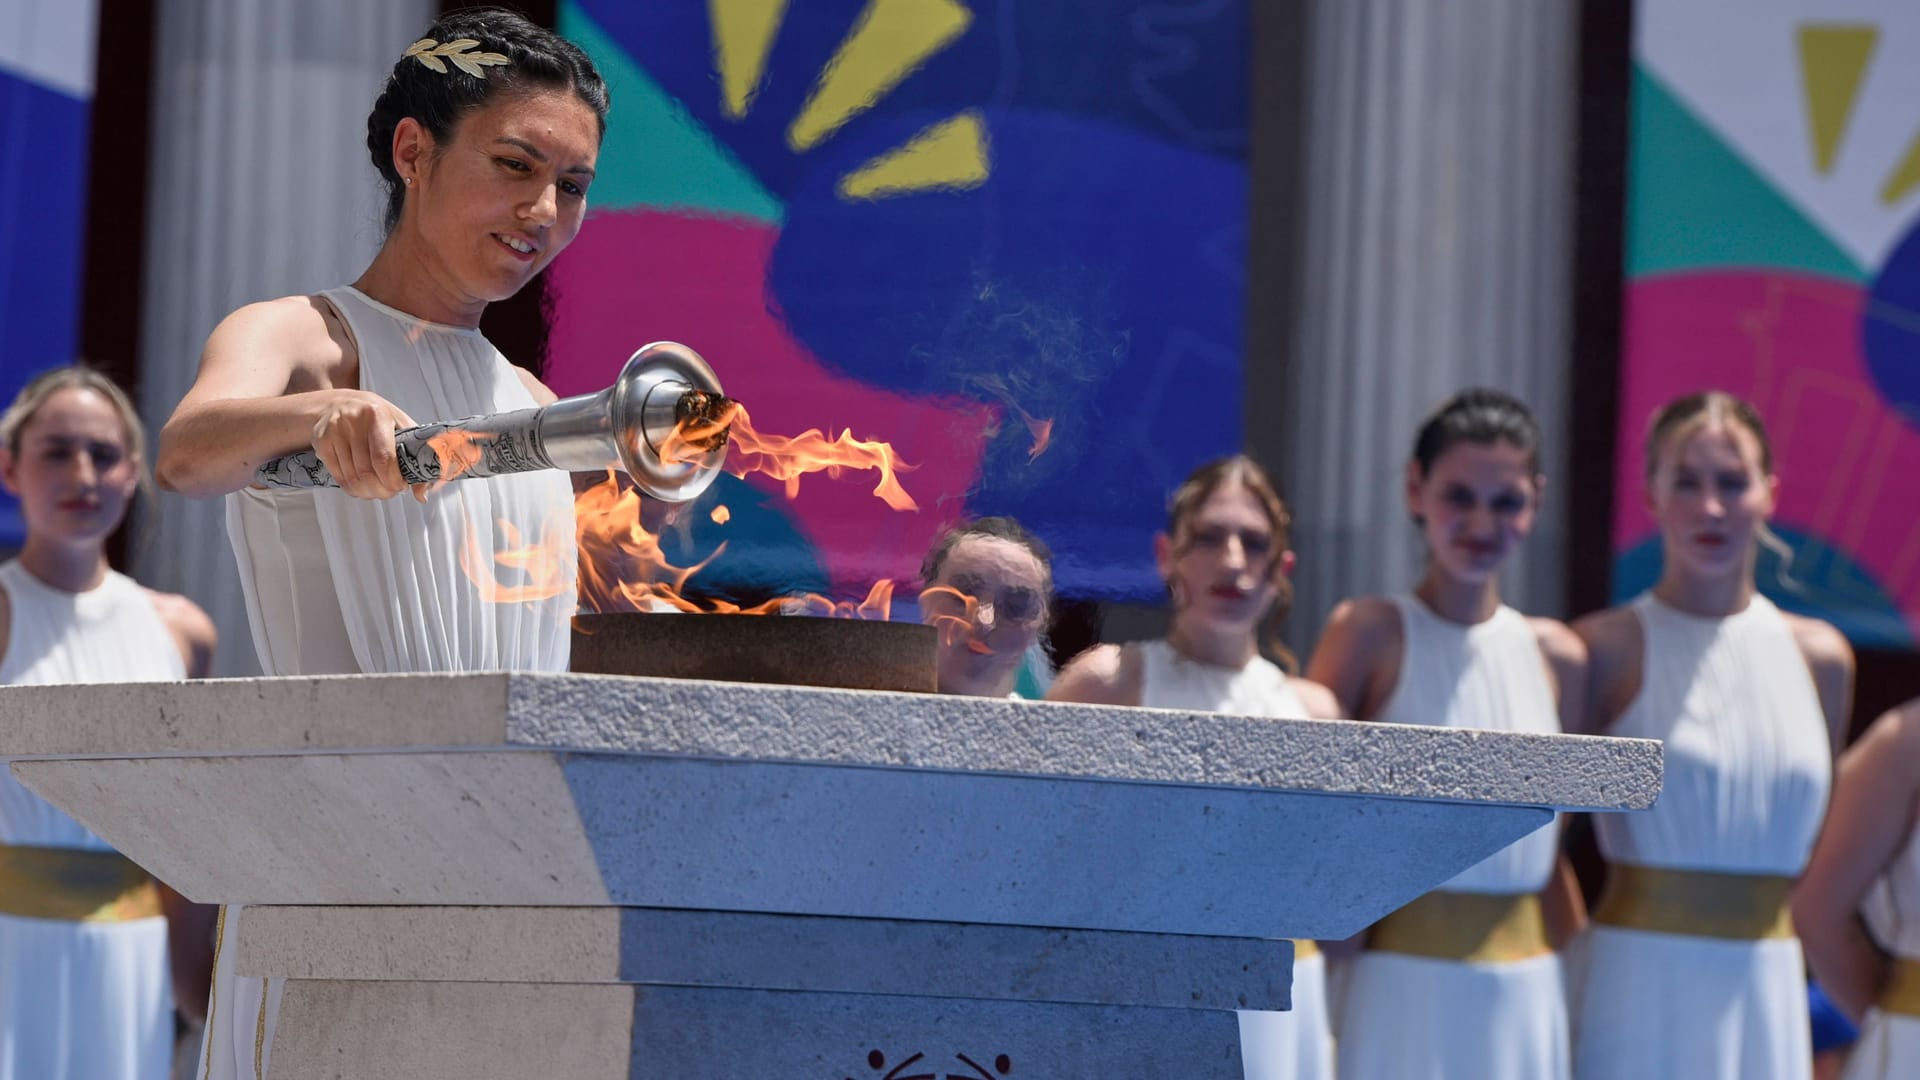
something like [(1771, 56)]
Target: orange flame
[(955, 628), (1041, 428), (1042, 434), (788, 458), (541, 565), (622, 566)]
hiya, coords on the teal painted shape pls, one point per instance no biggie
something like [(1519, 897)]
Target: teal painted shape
[(1693, 202), (656, 156)]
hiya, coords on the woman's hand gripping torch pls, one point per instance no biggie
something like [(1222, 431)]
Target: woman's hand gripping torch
[(664, 421)]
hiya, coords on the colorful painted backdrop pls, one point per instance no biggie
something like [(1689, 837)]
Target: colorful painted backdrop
[(46, 85), (1006, 236), (1773, 250)]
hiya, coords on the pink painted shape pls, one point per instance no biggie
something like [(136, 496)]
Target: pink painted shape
[(1790, 344), (702, 282)]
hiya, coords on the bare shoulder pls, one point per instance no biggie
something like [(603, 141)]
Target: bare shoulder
[(1610, 637), (191, 628), (1563, 648), (1319, 700), (303, 319), (1103, 675), (541, 395), (1825, 647), (1903, 732), (1366, 622), (1831, 664), (1895, 732), (1358, 655), (298, 342), (1615, 644)]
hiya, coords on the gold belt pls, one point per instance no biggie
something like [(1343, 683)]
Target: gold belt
[(1479, 928), (74, 885), (1699, 903), (1902, 993)]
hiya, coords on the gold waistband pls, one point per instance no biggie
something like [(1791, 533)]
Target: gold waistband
[(1699, 903), (1901, 995), (1303, 948), (1479, 928), (74, 885)]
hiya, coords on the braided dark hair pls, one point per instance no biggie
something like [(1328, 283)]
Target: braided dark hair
[(537, 58), (1482, 417)]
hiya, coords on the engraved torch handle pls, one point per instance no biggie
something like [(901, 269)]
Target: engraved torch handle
[(492, 445)]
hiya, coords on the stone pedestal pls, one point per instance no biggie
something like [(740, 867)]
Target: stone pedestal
[(503, 875)]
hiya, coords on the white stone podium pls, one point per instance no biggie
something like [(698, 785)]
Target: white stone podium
[(580, 876)]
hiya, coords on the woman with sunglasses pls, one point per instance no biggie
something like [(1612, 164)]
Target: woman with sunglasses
[(988, 589)]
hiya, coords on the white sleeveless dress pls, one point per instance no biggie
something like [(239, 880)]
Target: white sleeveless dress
[(336, 584), (1410, 1017), (1889, 1046), (80, 1000), (1748, 769), (1296, 1045)]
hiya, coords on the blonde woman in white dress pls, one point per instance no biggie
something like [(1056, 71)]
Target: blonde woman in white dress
[(1858, 906), (85, 987), (1225, 560), (487, 176), (1692, 967), (1463, 983)]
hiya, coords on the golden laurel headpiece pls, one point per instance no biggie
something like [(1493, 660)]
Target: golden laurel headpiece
[(434, 55)]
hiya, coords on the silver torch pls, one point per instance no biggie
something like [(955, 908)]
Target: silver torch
[(665, 398)]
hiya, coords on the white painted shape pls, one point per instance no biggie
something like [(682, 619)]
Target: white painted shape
[(1736, 63), (51, 42)]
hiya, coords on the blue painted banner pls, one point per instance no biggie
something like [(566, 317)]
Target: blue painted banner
[(1006, 236), (46, 87)]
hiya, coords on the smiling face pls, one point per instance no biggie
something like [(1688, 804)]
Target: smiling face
[(73, 471), (505, 194), (1475, 505), (1711, 495), (1005, 587), (1222, 563)]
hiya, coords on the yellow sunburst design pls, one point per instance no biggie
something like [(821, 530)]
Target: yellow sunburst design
[(891, 40), (1905, 176), (1834, 58), (743, 32), (950, 155)]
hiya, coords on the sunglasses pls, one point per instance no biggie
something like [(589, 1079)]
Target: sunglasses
[(1012, 603)]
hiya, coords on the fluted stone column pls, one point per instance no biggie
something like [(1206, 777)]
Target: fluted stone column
[(260, 187), (1432, 242)]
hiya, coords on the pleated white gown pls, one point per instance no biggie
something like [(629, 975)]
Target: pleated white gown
[(80, 1000), (1419, 1018), (335, 584), (1295, 1045), (1748, 768), (1889, 1046)]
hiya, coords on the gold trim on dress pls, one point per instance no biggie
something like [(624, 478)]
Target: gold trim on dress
[(1697, 903), (1901, 995), (1474, 928), (1304, 948), (213, 995), (74, 885)]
